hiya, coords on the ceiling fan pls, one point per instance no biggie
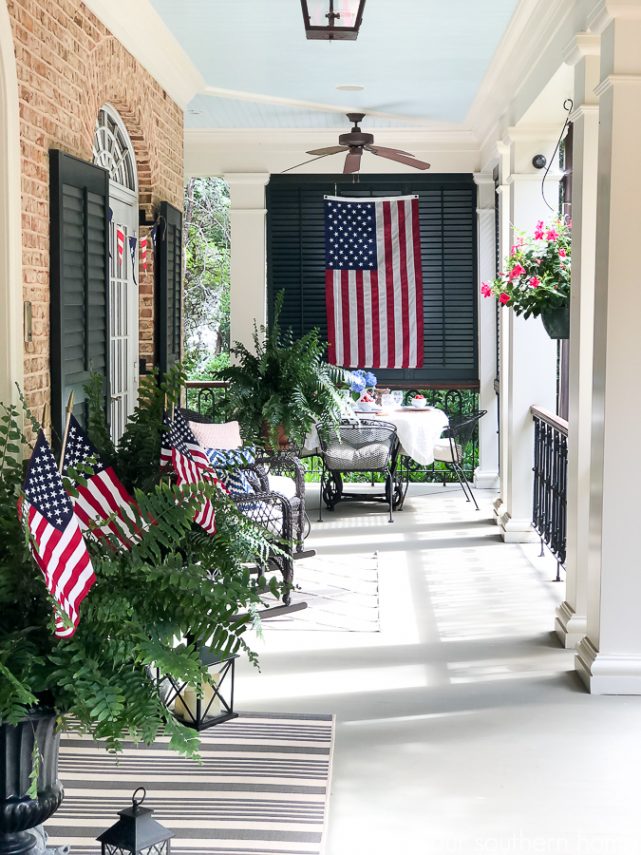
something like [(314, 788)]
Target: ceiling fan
[(355, 143)]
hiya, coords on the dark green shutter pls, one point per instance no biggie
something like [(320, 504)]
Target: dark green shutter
[(169, 287), (79, 281), (447, 213)]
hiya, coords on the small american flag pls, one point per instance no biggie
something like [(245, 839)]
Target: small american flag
[(56, 540), (102, 496), (180, 433), (373, 282), (191, 465)]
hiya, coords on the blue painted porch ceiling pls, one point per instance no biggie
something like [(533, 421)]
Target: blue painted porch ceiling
[(422, 59)]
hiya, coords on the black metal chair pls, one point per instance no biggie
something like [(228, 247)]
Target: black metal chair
[(450, 449), (359, 445)]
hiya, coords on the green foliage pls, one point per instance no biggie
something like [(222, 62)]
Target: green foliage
[(149, 607), (207, 240), (283, 382)]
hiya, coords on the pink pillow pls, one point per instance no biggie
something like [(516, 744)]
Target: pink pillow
[(225, 435)]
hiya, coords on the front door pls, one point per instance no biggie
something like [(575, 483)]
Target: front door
[(123, 307)]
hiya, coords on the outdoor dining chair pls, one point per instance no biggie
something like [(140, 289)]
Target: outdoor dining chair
[(450, 449), (356, 445)]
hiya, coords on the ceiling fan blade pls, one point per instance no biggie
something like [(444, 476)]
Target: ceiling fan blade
[(332, 149), (353, 161), (376, 148), (296, 165), (409, 160)]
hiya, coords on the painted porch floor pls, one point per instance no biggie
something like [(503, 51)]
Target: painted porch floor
[(461, 727)]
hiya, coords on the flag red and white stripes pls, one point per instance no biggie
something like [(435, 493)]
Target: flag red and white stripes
[(101, 495), (373, 282), (120, 242), (56, 540), (188, 471)]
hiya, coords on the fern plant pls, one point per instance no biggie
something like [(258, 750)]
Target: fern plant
[(176, 583), (285, 385)]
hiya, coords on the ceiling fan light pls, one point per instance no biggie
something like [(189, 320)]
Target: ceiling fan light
[(333, 20)]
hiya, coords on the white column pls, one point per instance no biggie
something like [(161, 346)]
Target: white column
[(503, 201), (487, 473), (248, 297), (583, 53), (609, 657), (531, 354)]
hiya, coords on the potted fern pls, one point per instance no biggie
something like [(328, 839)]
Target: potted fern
[(174, 583), (282, 387)]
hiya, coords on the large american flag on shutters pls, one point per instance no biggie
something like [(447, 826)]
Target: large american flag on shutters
[(56, 540), (373, 282)]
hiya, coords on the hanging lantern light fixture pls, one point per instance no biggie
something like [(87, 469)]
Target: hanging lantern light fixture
[(333, 20)]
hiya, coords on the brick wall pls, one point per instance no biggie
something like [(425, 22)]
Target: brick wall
[(69, 65)]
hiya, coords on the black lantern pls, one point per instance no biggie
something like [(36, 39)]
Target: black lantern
[(214, 703), (136, 833), (332, 19)]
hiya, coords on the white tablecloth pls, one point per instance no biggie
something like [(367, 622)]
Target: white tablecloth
[(417, 430)]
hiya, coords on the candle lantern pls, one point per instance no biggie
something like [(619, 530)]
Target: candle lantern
[(214, 703), (136, 833)]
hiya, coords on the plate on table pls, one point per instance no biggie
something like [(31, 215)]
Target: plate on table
[(375, 411), (409, 408)]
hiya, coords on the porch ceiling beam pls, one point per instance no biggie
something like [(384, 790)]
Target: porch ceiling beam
[(145, 35)]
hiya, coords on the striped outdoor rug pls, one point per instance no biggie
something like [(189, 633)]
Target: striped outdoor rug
[(262, 788)]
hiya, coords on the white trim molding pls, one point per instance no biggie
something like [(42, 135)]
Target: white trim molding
[(145, 35), (11, 287), (607, 675)]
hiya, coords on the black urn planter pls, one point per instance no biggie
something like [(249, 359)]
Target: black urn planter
[(557, 322), (18, 812)]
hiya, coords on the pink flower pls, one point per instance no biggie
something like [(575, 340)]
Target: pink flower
[(535, 282), (538, 234), (562, 253), (516, 271), (486, 291), (504, 298), (552, 234)]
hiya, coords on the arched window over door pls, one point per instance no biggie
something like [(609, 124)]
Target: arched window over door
[(113, 150)]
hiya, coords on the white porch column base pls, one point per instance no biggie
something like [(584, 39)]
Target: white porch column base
[(569, 627), (517, 530), (607, 675), (486, 480)]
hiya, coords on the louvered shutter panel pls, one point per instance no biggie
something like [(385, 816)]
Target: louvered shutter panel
[(79, 238), (169, 288), (447, 214)]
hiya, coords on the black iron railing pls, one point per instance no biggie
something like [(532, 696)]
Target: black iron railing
[(208, 397), (549, 506)]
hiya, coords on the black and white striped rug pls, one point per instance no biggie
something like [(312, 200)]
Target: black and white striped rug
[(262, 788)]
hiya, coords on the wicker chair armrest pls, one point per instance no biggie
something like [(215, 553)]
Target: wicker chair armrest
[(287, 464), (250, 503)]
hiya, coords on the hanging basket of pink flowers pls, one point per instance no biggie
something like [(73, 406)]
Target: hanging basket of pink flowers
[(536, 280)]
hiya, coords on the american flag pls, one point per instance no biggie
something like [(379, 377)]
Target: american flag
[(191, 468), (103, 496), (373, 282), (179, 434), (56, 540)]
